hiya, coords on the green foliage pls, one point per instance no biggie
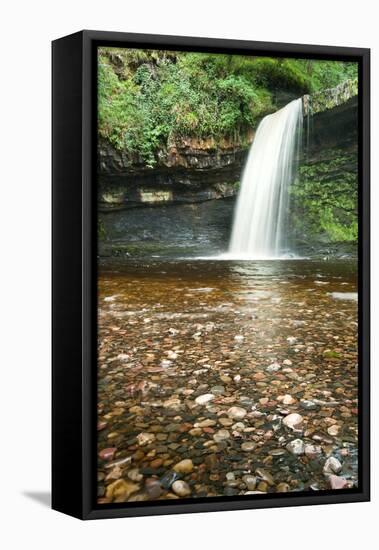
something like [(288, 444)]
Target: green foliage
[(149, 98)]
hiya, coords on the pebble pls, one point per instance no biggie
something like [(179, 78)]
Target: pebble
[(332, 466), (184, 466), (207, 423), (237, 413), (120, 490), (292, 420), (250, 482), (288, 400), (204, 399), (265, 475), (337, 482), (153, 488), (239, 338), (134, 475), (108, 453), (333, 430), (181, 488), (145, 438), (282, 488), (274, 367), (221, 435), (312, 451), (168, 479), (248, 446), (296, 447)]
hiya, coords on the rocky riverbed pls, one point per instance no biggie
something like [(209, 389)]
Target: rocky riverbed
[(221, 378)]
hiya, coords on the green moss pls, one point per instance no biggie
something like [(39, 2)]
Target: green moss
[(324, 200)]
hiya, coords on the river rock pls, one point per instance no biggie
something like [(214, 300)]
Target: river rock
[(134, 474), (207, 423), (288, 400), (153, 488), (120, 490), (337, 482), (221, 435), (265, 476), (292, 420), (312, 451), (274, 367), (237, 413), (184, 466), (296, 447), (333, 430), (204, 399), (248, 446), (145, 438), (181, 488), (250, 482), (168, 479), (108, 453), (332, 466), (282, 488)]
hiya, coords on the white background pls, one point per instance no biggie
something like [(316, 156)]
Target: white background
[(26, 31)]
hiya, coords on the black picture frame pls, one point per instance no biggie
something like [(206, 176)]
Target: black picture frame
[(74, 127)]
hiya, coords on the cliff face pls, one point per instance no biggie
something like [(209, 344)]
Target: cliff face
[(324, 199), (190, 170)]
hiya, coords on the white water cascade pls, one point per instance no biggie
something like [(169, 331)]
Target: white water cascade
[(259, 226)]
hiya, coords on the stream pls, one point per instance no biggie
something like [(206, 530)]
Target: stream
[(224, 378)]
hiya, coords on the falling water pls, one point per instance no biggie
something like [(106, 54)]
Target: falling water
[(259, 227)]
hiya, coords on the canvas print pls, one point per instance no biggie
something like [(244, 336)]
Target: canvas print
[(227, 307)]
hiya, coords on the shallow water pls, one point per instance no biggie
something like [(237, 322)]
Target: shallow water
[(248, 333)]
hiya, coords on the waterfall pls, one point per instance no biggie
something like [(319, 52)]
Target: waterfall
[(260, 216)]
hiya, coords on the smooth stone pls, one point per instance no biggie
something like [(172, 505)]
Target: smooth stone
[(248, 446), (274, 367), (145, 438), (292, 420), (237, 413), (250, 482), (134, 475), (239, 338), (116, 473), (204, 399), (218, 390), (296, 447), (337, 482), (333, 430), (288, 400), (120, 490), (181, 488), (184, 466), (221, 435), (168, 479), (226, 421), (282, 488), (308, 405), (312, 451), (153, 488), (265, 476), (207, 423), (332, 466), (108, 453), (122, 462)]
